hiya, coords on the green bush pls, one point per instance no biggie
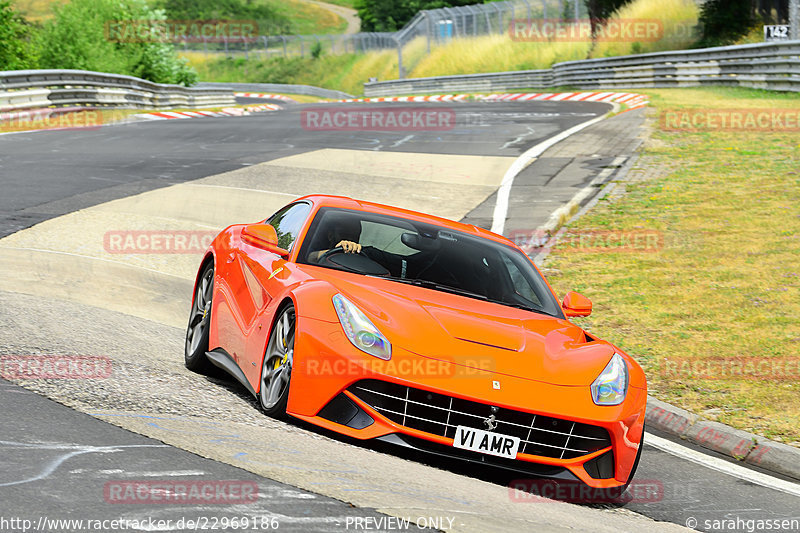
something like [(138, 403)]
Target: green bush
[(81, 36), (725, 21), (316, 50), (391, 15), (16, 52)]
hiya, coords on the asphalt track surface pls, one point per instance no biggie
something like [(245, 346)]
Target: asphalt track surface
[(49, 174)]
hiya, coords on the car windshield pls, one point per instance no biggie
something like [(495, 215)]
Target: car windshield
[(426, 255)]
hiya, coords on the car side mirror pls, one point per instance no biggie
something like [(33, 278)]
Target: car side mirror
[(576, 304), (263, 236)]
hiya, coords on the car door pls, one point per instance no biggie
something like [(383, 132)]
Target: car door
[(265, 276)]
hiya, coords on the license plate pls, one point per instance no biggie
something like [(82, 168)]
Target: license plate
[(477, 440)]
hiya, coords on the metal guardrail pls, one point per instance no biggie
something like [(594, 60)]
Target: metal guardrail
[(27, 89), (275, 88), (773, 66)]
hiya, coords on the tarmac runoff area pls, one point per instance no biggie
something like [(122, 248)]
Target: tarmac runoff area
[(132, 307)]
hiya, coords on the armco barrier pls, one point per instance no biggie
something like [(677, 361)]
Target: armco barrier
[(28, 89), (773, 66)]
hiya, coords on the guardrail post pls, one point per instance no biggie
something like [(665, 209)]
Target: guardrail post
[(794, 19), (400, 73), (528, 6), (428, 30)]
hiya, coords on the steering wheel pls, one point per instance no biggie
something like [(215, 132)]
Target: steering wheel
[(358, 262), (332, 251)]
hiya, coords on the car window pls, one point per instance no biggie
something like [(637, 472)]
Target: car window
[(385, 237), (287, 223), (520, 283), (429, 256)]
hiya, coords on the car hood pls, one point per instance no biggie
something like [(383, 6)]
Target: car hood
[(477, 334)]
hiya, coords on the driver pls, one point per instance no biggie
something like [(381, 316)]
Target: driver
[(342, 232)]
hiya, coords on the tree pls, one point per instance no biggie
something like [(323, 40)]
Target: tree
[(16, 52), (81, 36), (724, 21), (391, 15), (601, 10)]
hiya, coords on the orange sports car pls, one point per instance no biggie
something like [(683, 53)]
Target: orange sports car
[(381, 323)]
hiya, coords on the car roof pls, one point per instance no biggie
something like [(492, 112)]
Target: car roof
[(344, 202)]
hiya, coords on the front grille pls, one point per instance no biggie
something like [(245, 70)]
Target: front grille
[(439, 414)]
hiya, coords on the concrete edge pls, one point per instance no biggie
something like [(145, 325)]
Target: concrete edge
[(735, 443), (740, 445)]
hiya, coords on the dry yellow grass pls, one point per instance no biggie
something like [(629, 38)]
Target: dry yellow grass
[(37, 10), (677, 27), (495, 53)]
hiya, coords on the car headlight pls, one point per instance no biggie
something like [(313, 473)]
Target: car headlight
[(611, 385), (361, 332)]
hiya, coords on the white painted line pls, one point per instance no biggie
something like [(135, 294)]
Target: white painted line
[(401, 141), (501, 206), (238, 189), (130, 265), (720, 465), (171, 473)]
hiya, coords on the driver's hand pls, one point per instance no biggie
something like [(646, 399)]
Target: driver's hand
[(350, 247)]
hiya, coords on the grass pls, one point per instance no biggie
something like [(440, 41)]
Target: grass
[(345, 3), (726, 285), (346, 72), (305, 18), (489, 53), (677, 29), (37, 10)]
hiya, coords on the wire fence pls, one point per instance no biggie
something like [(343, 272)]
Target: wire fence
[(435, 26)]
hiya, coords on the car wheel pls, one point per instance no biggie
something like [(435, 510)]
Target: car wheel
[(199, 324), (276, 370)]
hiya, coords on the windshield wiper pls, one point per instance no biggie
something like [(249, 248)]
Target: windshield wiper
[(463, 292), (518, 306), (436, 286)]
